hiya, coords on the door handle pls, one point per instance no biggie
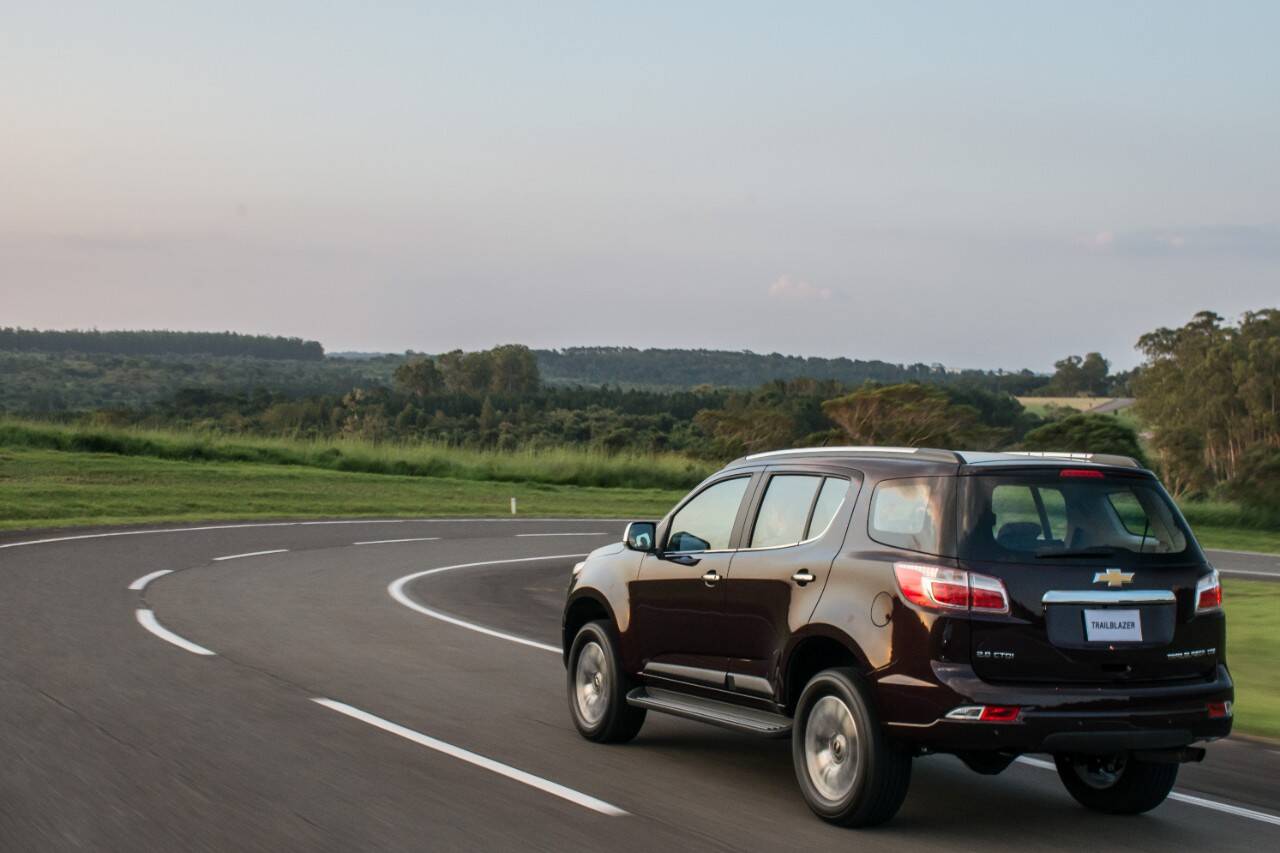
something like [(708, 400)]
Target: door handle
[(710, 578), (804, 576)]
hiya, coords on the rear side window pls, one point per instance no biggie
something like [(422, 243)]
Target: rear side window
[(796, 507), (784, 510), (706, 522), (911, 513)]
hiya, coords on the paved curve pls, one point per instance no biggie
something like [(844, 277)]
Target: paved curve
[(112, 739)]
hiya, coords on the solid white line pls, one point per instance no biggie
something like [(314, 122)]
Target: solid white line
[(392, 541), (1225, 808), (1243, 553), (141, 583), (156, 531), (396, 591), (521, 535), (1244, 572), (147, 620), (250, 554), (545, 785)]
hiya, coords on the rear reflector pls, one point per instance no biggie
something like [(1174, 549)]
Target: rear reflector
[(986, 713), (1087, 473), (1220, 710)]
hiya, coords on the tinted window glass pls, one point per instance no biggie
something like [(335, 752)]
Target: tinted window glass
[(1021, 517), (784, 510), (909, 513), (706, 522), (829, 499)]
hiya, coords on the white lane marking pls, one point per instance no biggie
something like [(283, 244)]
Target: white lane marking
[(545, 785), (147, 619), (396, 591), (151, 532), (1241, 553), (1225, 808), (392, 541), (141, 583), (1246, 572), (250, 554), (521, 535)]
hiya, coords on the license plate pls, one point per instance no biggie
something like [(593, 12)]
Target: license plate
[(1112, 626)]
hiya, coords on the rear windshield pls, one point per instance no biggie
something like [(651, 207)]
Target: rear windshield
[(1025, 517)]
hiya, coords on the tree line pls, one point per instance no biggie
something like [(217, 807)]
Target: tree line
[(159, 342)]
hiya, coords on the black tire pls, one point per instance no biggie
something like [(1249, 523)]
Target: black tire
[(873, 790), (1116, 784), (601, 712)]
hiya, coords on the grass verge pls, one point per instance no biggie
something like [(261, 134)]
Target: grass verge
[(557, 466), (47, 488), (1253, 648)]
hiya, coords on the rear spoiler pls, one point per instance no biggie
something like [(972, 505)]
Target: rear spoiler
[(1097, 458)]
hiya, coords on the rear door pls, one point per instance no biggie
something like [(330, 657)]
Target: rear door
[(677, 598), (779, 572), (1101, 573)]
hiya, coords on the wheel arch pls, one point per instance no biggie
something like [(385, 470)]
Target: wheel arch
[(585, 605), (819, 647)]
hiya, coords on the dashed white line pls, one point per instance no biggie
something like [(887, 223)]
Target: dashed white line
[(250, 554), (1189, 799), (393, 541), (522, 535), (147, 619), (525, 778), (396, 591), (141, 583)]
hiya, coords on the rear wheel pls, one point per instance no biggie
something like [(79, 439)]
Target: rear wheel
[(850, 773), (598, 688), (1116, 784)]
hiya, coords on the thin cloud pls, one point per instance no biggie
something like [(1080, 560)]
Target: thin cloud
[(787, 287), (1206, 240)]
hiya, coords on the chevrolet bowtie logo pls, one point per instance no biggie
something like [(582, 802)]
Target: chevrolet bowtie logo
[(1113, 578)]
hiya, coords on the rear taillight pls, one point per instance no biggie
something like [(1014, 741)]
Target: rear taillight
[(938, 588), (1220, 710), (1209, 593), (986, 713)]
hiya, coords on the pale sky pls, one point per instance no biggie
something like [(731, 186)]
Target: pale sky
[(983, 185)]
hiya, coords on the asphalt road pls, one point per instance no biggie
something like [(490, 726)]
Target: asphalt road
[(432, 734)]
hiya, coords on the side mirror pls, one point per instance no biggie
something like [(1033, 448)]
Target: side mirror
[(641, 536)]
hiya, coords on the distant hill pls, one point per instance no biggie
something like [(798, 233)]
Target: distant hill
[(688, 368)]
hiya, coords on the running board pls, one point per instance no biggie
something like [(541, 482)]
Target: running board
[(730, 716)]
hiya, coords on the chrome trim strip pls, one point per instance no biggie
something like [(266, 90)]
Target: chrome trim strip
[(680, 672), (1096, 596)]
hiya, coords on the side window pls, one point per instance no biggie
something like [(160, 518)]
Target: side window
[(784, 510), (829, 499), (706, 522), (908, 514)]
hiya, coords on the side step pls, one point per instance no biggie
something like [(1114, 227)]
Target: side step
[(730, 716)]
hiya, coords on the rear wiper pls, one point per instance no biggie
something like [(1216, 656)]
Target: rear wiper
[(1096, 551)]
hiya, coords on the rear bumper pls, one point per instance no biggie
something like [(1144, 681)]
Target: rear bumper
[(1069, 719)]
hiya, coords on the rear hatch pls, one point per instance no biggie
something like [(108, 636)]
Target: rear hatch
[(1101, 572)]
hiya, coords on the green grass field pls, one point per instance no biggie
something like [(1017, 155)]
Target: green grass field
[(49, 488), (1253, 652)]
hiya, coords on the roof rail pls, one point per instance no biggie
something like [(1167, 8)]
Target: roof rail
[(1099, 458), (920, 452)]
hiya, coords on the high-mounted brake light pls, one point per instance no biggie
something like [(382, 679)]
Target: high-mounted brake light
[(1083, 473), (938, 588), (1209, 593)]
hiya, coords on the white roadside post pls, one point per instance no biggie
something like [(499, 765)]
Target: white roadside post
[(513, 506)]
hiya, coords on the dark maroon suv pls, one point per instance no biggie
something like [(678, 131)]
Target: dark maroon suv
[(875, 604)]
